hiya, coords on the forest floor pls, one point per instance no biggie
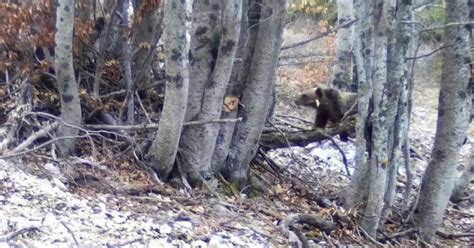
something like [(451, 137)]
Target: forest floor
[(114, 203)]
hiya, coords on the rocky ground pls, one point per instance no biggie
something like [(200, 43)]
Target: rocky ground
[(38, 209)]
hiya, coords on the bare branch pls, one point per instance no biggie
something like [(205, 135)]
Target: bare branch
[(35, 136), (319, 36), (20, 231), (155, 125)]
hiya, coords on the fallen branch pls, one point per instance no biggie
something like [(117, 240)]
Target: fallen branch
[(344, 158), (155, 125), (454, 235), (399, 234), (70, 231), (18, 232), (287, 223), (125, 243), (35, 136), (275, 140), (319, 36)]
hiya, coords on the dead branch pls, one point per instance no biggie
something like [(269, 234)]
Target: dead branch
[(35, 136), (373, 240), (287, 223), (296, 118), (344, 158), (120, 244), (399, 234), (18, 232), (454, 235), (302, 138), (319, 36), (155, 126), (70, 231)]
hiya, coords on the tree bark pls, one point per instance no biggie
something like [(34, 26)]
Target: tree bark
[(363, 42), (398, 86), (163, 150), (199, 141), (240, 72), (464, 181), (453, 113), (341, 74), (257, 94), (126, 57), (145, 38), (67, 86), (381, 119)]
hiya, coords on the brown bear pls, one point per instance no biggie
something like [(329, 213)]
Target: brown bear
[(330, 104)]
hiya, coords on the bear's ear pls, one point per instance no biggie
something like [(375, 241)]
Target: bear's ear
[(319, 92)]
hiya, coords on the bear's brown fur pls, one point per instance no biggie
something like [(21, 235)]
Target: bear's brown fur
[(330, 104)]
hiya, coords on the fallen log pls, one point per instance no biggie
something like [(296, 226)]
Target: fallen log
[(276, 139)]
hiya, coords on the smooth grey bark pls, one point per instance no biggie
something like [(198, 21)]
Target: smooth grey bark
[(453, 113), (240, 71), (126, 57), (163, 150), (257, 94), (67, 86), (199, 140), (463, 182), (363, 45), (381, 119), (204, 42), (145, 38), (398, 88), (341, 72)]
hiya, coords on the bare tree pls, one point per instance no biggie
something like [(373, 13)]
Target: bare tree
[(341, 74), (67, 86), (453, 113), (257, 94), (198, 142), (177, 26), (380, 46), (364, 31)]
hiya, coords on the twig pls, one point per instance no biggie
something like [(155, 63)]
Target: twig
[(35, 136), (431, 53), (319, 36), (399, 234), (155, 125), (42, 145), (446, 25), (70, 232), (120, 244), (344, 158), (370, 237), (454, 235), (143, 107), (296, 118), (20, 231)]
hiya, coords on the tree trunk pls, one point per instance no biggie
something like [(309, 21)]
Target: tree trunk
[(177, 26), (67, 86), (126, 57), (341, 74), (364, 31), (145, 38), (453, 112), (257, 94), (464, 181), (240, 72), (381, 119), (400, 44), (198, 141)]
